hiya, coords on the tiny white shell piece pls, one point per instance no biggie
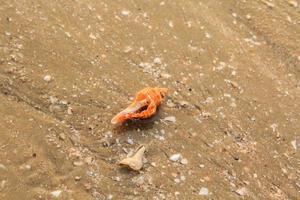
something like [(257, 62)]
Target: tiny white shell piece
[(56, 193), (170, 119), (203, 191), (175, 157)]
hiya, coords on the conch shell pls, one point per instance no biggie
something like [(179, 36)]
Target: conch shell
[(143, 106), (134, 162)]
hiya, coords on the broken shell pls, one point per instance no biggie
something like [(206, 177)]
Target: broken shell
[(134, 162)]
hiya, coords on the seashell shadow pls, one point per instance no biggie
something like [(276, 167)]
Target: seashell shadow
[(143, 124)]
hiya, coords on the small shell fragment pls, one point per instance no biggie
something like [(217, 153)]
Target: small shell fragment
[(294, 144), (184, 161), (175, 157), (170, 119), (56, 193), (203, 191), (241, 191), (134, 162), (47, 78)]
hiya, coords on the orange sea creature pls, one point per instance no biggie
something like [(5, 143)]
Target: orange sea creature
[(144, 105)]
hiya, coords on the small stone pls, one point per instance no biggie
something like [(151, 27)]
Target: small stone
[(293, 3), (241, 191), (170, 119), (89, 160), (2, 184), (77, 178), (165, 75), (109, 197), (56, 193), (175, 157), (62, 136), (70, 110), (28, 167), (25, 167), (182, 178), (170, 104), (78, 163), (139, 181), (125, 12), (92, 36), (2, 167), (47, 78), (87, 186), (206, 178), (117, 178), (127, 49), (68, 34), (248, 17), (203, 191), (157, 61), (184, 161), (177, 180), (269, 4), (294, 144), (129, 141), (184, 103)]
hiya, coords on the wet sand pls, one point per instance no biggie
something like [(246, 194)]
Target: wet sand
[(232, 69)]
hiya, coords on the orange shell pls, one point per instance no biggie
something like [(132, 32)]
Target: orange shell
[(148, 97)]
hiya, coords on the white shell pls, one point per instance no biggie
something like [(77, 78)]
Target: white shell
[(134, 162), (170, 119), (175, 157), (203, 191)]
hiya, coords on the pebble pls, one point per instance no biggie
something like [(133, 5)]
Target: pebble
[(177, 180), (170, 104), (293, 3), (184, 161), (294, 144), (175, 157), (182, 178), (203, 191), (127, 49), (170, 119), (92, 36), (62, 136), (157, 61), (109, 197), (184, 103), (2, 167), (125, 12), (166, 75), (241, 191), (269, 4), (56, 193), (25, 167), (7, 33), (77, 178), (47, 78), (2, 184), (78, 163), (129, 141)]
